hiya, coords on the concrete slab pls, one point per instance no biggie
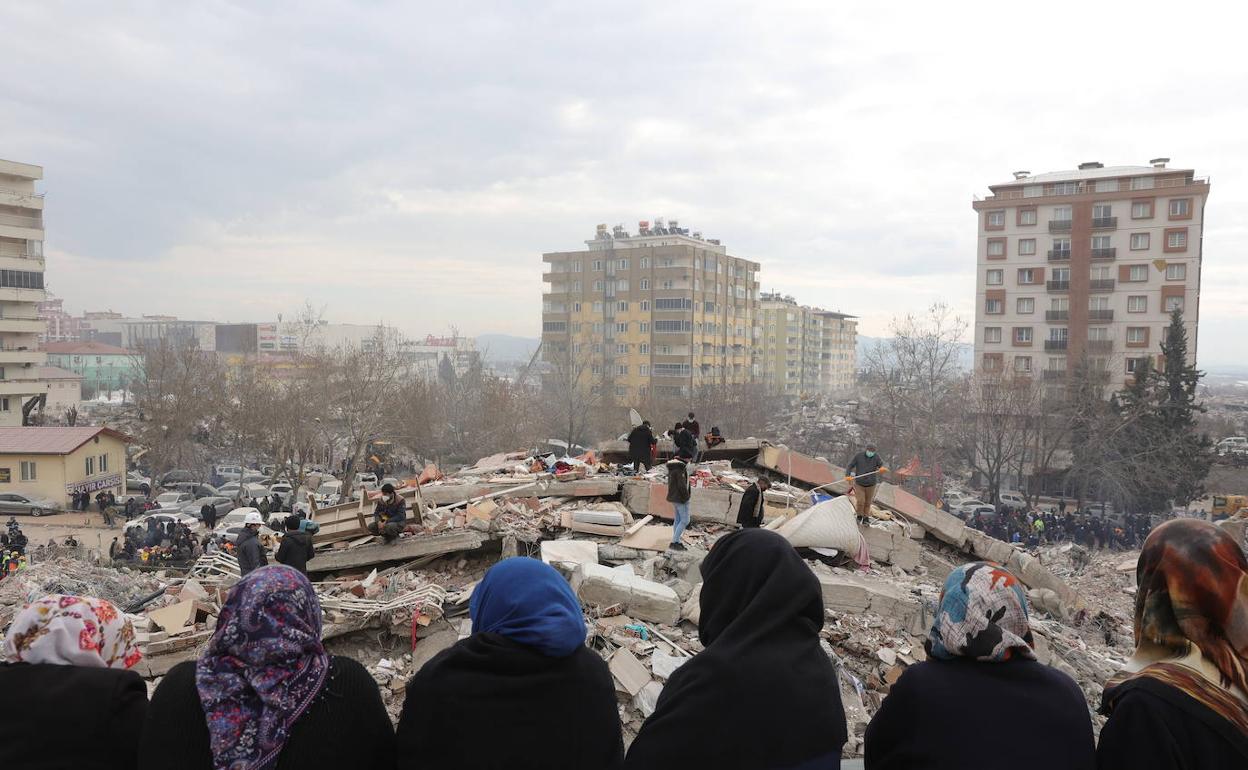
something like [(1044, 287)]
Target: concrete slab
[(404, 549), (643, 599), (849, 593)]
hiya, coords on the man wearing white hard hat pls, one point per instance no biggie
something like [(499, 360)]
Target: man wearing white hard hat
[(250, 552)]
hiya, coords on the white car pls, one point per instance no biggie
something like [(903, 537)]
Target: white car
[(971, 507), (1012, 500), (329, 493), (173, 500), (232, 524), (163, 518)]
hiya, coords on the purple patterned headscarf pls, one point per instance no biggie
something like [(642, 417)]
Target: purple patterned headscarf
[(263, 668)]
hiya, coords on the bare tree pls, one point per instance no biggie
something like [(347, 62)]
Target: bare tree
[(912, 390), (573, 393), (179, 392), (992, 429)]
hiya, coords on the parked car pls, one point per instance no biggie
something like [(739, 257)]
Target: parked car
[(954, 499), (229, 527), (328, 493), (196, 489), (11, 503), (392, 481), (1012, 500), (366, 480), (1230, 444), (162, 519), (249, 490), (283, 490), (173, 500), (137, 482), (969, 508), (224, 505), (227, 472)]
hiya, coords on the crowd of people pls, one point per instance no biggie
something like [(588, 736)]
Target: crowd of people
[(763, 693), (1035, 528)]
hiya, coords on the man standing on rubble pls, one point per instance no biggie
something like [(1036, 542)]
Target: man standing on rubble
[(678, 494), (863, 473), (388, 515), (640, 441), (684, 440), (249, 551), (750, 514)]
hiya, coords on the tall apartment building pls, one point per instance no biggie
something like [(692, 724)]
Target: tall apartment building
[(659, 313), (1087, 263), (21, 291), (806, 350)]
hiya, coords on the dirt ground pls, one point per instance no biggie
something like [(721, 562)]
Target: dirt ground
[(87, 527)]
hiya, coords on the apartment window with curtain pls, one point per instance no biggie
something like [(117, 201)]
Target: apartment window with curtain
[(1140, 241), (1026, 247), (1142, 210), (1137, 304), (1176, 272), (1137, 273), (1025, 305), (995, 277), (992, 334)]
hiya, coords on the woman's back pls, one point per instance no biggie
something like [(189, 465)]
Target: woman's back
[(91, 717), (346, 725), (959, 713)]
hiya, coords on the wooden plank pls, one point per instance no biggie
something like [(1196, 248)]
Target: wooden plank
[(404, 549), (638, 525)]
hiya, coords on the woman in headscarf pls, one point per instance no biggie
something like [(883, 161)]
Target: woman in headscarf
[(762, 693), (1182, 701), (70, 700), (981, 698), (523, 672), (265, 695)]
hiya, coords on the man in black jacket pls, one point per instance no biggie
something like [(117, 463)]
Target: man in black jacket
[(296, 548), (863, 473), (683, 439), (249, 551), (640, 441), (388, 515), (750, 514)]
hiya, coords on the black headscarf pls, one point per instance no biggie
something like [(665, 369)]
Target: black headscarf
[(762, 694)]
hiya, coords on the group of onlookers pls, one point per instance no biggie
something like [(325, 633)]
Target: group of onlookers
[(524, 690)]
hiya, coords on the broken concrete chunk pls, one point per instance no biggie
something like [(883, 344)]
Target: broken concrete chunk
[(630, 675), (664, 665), (647, 699), (850, 593), (570, 551), (643, 599)]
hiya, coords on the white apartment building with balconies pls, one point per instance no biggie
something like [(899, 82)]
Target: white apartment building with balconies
[(21, 291)]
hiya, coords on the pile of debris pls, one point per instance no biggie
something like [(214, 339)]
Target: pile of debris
[(70, 573)]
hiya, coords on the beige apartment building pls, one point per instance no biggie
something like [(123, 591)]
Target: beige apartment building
[(1087, 262), (658, 313), (806, 350), (21, 291)]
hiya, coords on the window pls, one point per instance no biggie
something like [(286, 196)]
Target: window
[(1141, 209), (621, 285), (1022, 334), (1026, 216), (1137, 304), (621, 306), (597, 307), (643, 327), (621, 391), (673, 303), (621, 370), (1173, 304), (1107, 185), (597, 329), (1140, 241), (576, 307), (1061, 273), (1061, 213), (1026, 276), (1022, 364), (554, 326), (598, 285), (1181, 208), (596, 370), (645, 304), (4, 404), (1066, 188), (665, 350), (621, 264), (1059, 304), (1100, 273), (644, 348), (28, 471), (1026, 247), (21, 279), (1102, 211), (621, 349), (1137, 273), (992, 334), (104, 463), (576, 286), (1033, 191), (665, 284), (1059, 333), (1141, 183), (1098, 334), (1100, 242), (576, 266), (992, 362), (994, 307), (644, 370), (1098, 303), (1025, 305), (1137, 335), (1176, 240), (90, 463), (995, 220), (597, 264), (1176, 272), (622, 327), (1135, 364), (1057, 364), (996, 248), (995, 277), (645, 283), (672, 326)]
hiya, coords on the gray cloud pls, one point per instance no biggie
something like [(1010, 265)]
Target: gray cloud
[(411, 162)]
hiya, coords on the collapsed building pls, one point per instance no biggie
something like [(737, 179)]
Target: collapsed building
[(394, 606)]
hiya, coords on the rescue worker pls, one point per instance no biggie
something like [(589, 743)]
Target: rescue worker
[(250, 552), (864, 472)]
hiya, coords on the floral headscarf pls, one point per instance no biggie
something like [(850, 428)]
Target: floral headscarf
[(982, 615), (72, 631), (263, 668)]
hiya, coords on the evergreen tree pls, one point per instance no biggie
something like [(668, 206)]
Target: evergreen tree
[(1192, 451)]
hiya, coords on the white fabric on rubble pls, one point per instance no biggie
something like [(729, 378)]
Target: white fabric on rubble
[(830, 524)]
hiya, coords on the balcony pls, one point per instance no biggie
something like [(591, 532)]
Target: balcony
[(18, 325), (1100, 316), (22, 356), (1057, 285), (1059, 225), (17, 220), (1109, 253), (1104, 223), (1054, 374), (1059, 255), (1100, 346), (1056, 344), (1101, 284), (1057, 315)]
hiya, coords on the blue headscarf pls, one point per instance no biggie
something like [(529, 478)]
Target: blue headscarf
[(528, 602)]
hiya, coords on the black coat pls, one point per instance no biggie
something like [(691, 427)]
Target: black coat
[(394, 512), (57, 717), (250, 553), (1156, 726), (488, 679), (951, 715), (750, 514), (296, 550), (346, 725), (640, 439), (685, 440), (862, 464), (677, 481)]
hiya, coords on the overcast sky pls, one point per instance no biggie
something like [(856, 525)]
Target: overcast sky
[(409, 162)]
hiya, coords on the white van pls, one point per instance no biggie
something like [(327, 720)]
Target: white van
[(1012, 500)]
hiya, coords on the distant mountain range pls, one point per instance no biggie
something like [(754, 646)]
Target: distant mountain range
[(505, 348), (966, 351)]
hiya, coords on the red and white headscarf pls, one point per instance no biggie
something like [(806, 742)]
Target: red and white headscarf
[(71, 631)]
